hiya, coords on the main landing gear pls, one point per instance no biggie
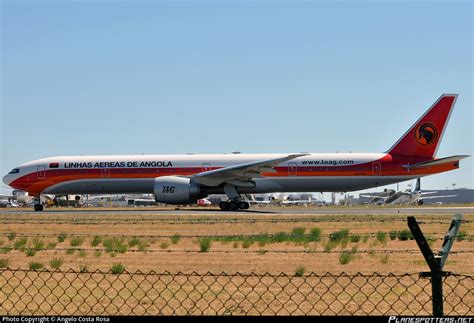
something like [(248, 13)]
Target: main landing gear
[(234, 205), (235, 201)]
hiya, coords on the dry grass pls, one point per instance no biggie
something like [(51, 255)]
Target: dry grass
[(139, 242), (164, 242)]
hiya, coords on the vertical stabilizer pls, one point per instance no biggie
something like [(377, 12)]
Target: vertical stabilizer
[(424, 137)]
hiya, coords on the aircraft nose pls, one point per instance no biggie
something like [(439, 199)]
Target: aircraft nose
[(7, 179)]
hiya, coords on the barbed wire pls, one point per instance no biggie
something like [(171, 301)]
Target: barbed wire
[(432, 236), (235, 250)]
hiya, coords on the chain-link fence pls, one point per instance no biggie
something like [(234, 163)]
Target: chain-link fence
[(28, 292)]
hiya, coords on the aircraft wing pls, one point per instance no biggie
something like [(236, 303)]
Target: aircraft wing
[(242, 174), (394, 197), (48, 197), (257, 202), (375, 199), (296, 202), (428, 193), (374, 196), (437, 197)]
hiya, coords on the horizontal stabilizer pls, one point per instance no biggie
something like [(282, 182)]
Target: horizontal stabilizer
[(438, 197), (435, 162)]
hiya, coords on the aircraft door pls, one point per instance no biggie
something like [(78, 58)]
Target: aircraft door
[(376, 168), (206, 167), (292, 169), (105, 172), (41, 172)]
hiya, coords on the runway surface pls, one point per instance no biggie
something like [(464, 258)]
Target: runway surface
[(266, 210)]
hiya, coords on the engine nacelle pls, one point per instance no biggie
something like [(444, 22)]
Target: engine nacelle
[(175, 190), (419, 202)]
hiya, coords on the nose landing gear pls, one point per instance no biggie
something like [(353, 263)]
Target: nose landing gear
[(37, 206)]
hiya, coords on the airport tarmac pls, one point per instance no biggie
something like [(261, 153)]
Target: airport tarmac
[(267, 210)]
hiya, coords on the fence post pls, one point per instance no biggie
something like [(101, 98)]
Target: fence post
[(435, 262), (437, 289)]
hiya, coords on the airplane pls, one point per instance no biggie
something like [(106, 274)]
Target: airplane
[(183, 179), (22, 198), (7, 201), (204, 202), (25, 199), (141, 202), (405, 197), (380, 198), (250, 198), (289, 201), (417, 196)]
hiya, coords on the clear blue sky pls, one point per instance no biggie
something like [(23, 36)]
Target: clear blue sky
[(109, 77)]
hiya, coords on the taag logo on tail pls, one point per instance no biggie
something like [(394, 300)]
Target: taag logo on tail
[(426, 134)]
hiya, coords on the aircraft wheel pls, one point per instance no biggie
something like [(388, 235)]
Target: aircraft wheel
[(234, 206), (224, 206), (244, 205), (38, 208)]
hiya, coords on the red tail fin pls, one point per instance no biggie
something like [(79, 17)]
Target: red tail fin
[(423, 138)]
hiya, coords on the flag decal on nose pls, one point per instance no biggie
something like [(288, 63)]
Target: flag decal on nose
[(53, 165)]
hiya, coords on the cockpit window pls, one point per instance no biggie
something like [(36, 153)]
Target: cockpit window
[(15, 171)]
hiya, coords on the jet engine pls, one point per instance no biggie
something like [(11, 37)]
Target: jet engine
[(419, 202), (176, 190)]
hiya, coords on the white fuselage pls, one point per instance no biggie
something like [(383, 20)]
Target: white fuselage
[(316, 172)]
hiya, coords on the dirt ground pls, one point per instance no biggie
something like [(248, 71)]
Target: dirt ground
[(156, 230), (365, 272)]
